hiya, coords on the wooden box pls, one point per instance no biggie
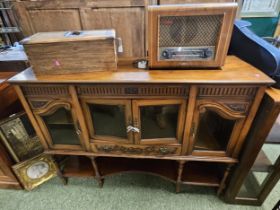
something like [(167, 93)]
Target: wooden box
[(71, 52)]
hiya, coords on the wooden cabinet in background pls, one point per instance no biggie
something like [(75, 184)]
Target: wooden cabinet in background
[(7, 177), (127, 17), (259, 169), (192, 1), (129, 24), (9, 104)]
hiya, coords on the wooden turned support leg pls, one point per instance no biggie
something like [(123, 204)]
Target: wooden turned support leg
[(97, 174), (63, 179), (222, 185), (179, 177), (60, 174)]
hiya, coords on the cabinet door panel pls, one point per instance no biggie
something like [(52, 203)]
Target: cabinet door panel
[(213, 132), (108, 119), (158, 121), (55, 20), (60, 125), (215, 129), (128, 23)]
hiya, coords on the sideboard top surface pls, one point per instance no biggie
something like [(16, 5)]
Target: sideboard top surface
[(235, 71)]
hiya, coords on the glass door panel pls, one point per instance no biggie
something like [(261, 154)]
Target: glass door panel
[(158, 121), (213, 132), (215, 129), (61, 127), (108, 119)]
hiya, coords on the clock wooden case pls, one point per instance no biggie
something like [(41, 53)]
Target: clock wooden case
[(176, 124)]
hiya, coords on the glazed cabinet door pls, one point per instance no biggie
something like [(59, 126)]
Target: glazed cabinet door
[(158, 121), (59, 124), (108, 119), (215, 129)]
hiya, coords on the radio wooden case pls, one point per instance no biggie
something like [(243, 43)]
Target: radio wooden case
[(189, 35), (71, 52)]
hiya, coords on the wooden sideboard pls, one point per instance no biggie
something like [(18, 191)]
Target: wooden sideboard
[(177, 124)]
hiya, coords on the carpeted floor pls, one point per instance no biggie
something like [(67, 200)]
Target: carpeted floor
[(125, 192), (120, 192)]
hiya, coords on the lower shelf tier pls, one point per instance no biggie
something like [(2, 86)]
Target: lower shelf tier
[(203, 173), (164, 168), (77, 166), (194, 172)]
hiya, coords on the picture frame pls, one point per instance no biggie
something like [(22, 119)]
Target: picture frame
[(35, 171), (260, 8), (19, 137)]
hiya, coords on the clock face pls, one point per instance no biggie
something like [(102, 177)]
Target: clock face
[(37, 170)]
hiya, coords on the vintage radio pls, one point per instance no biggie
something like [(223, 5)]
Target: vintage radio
[(71, 52), (189, 35)]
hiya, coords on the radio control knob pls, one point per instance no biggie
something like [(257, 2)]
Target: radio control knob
[(206, 53), (166, 54)]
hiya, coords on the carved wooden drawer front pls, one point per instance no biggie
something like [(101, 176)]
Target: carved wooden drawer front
[(247, 92), (158, 150), (45, 90), (134, 90)]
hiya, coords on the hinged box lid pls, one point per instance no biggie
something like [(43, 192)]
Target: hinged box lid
[(69, 36)]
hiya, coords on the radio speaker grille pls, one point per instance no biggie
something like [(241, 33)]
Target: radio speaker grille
[(187, 31)]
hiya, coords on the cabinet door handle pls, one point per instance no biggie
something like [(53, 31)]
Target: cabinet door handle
[(193, 130), (78, 132), (78, 129), (132, 129)]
